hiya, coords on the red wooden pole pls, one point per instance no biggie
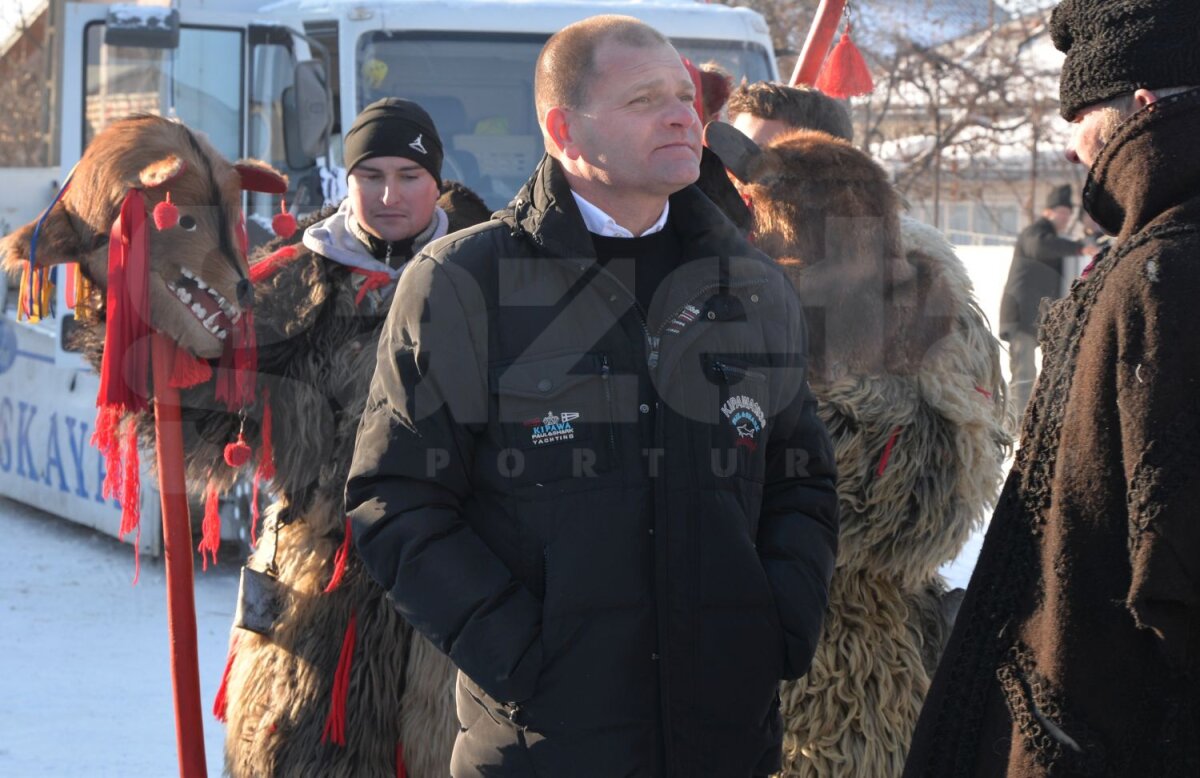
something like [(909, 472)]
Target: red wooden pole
[(816, 45), (177, 551)]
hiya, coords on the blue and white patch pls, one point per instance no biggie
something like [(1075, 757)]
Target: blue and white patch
[(552, 428), (746, 417)]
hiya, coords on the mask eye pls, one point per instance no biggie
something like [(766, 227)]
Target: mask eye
[(188, 223)]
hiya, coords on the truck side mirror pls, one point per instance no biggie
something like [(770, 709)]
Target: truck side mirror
[(142, 27), (307, 115)]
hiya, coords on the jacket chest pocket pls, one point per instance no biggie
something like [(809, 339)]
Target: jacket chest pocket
[(553, 417)]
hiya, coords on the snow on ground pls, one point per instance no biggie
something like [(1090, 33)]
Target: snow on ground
[(85, 679)]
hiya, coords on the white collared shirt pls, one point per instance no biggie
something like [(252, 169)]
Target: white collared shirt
[(602, 224)]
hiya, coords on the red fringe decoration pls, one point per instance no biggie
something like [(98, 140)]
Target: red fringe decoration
[(188, 370), (166, 215), (221, 701), (887, 451), (401, 770), (271, 264), (373, 279), (131, 494), (335, 722), (845, 72), (339, 561), (283, 222), (210, 528), (239, 366), (125, 367), (238, 452), (266, 465)]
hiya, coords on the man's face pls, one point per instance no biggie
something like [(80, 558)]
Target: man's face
[(1060, 217), (1091, 129), (393, 198), (761, 131), (638, 131)]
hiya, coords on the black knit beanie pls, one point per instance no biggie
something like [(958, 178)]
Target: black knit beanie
[(1115, 47), (394, 127)]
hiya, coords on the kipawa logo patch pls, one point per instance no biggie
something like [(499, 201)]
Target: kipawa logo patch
[(552, 428), (746, 417)]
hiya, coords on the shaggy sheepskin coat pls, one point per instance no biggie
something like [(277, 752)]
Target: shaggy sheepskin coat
[(919, 460), (317, 355), (907, 377), (1077, 649)]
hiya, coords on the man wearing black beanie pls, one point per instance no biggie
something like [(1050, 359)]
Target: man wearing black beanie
[(1077, 649), (393, 159)]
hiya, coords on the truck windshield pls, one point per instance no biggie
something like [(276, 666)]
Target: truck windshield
[(201, 81), (478, 88)]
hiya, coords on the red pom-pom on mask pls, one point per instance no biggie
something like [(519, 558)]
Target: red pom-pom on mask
[(237, 453), (166, 215), (283, 222)]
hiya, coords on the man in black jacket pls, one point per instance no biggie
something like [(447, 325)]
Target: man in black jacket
[(590, 469), (1035, 274)]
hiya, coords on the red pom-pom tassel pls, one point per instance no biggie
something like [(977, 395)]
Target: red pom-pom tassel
[(238, 452), (284, 223), (845, 73), (210, 528), (166, 215), (221, 701), (335, 722)]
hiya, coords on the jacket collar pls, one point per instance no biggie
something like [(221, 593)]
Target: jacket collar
[(545, 211), (1150, 167)]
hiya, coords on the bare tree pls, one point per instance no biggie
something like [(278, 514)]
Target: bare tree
[(24, 88)]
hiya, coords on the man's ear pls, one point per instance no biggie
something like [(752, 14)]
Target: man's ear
[(736, 151), (1143, 98), (58, 242), (559, 130)]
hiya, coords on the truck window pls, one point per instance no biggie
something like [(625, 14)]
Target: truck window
[(201, 81), (478, 87)]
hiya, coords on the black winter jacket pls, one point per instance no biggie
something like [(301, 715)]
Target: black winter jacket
[(1036, 273), (623, 534)]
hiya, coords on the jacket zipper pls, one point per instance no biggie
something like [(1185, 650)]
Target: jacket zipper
[(605, 373)]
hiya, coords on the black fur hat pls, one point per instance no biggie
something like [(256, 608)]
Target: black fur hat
[(1115, 47), (1060, 196)]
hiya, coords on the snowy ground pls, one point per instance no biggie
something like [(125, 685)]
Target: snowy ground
[(85, 680)]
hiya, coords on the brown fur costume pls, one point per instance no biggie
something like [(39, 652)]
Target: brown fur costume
[(316, 358), (908, 379)]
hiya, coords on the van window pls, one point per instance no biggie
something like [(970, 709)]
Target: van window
[(202, 79), (478, 87)]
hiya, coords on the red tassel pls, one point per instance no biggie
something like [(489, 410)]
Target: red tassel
[(221, 701), (131, 494), (238, 452), (188, 370), (845, 72), (108, 421), (125, 366), (239, 365), (283, 222), (266, 466), (401, 771), (272, 263), (210, 528), (887, 452), (339, 561), (372, 279), (166, 215), (335, 722)]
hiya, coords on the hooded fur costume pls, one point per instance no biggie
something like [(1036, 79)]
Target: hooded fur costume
[(907, 376)]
